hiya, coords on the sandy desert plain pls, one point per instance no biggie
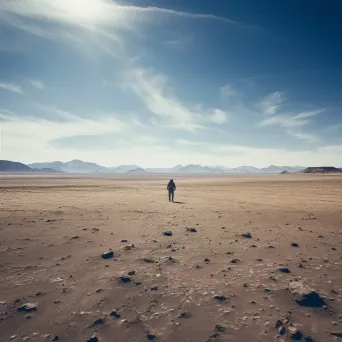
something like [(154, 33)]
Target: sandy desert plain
[(212, 284)]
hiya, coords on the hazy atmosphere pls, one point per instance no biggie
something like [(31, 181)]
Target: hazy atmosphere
[(161, 83)]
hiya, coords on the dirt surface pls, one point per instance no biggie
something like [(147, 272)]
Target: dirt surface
[(54, 229)]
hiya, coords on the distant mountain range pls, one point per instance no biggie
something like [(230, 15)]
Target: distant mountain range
[(79, 166)]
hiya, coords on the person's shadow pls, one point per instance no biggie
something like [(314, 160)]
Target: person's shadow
[(178, 202)]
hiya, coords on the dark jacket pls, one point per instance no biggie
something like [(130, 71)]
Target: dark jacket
[(171, 186)]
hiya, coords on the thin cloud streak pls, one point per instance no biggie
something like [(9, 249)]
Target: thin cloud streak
[(12, 88)]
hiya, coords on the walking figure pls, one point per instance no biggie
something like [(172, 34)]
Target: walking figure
[(171, 187)]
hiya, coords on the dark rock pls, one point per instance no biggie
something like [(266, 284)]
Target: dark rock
[(278, 323), (138, 283), (124, 241), (308, 339), (155, 288), (334, 291), (284, 270), (149, 261), (125, 279), (150, 336), (191, 230), (168, 233), (28, 307), (337, 334), (333, 249), (93, 338), (107, 255), (184, 314), (206, 260), (75, 237), (247, 235), (56, 338), (98, 321), (282, 330), (131, 273), (305, 296), (294, 244), (234, 261), (171, 259), (259, 260), (254, 246), (267, 290), (220, 298), (115, 314), (220, 328), (295, 334)]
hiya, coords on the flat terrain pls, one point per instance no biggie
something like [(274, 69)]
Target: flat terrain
[(53, 230)]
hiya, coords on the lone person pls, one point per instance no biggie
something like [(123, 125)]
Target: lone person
[(171, 187)]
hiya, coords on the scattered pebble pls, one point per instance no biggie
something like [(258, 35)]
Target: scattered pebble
[(28, 307), (247, 235), (168, 233), (284, 270), (108, 254)]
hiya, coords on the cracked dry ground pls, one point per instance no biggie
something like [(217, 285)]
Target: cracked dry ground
[(54, 230)]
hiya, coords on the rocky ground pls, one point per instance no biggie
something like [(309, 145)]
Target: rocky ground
[(110, 259)]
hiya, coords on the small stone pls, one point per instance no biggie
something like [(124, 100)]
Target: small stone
[(252, 302), (282, 330), (284, 270), (267, 290), (125, 279), (13, 337), (308, 339), (295, 334), (115, 314), (149, 261), (150, 336), (333, 249), (168, 233), (124, 241), (254, 246), (98, 321), (191, 230), (131, 273), (234, 261), (247, 235), (245, 285), (107, 255), (75, 237), (155, 288), (220, 328), (56, 338), (220, 298), (206, 260), (28, 307), (337, 334), (93, 338), (294, 244), (278, 323)]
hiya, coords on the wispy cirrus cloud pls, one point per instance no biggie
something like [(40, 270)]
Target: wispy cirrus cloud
[(291, 120), (271, 103), (12, 88), (153, 90), (37, 84)]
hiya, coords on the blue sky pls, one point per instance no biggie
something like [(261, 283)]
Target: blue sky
[(166, 82)]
